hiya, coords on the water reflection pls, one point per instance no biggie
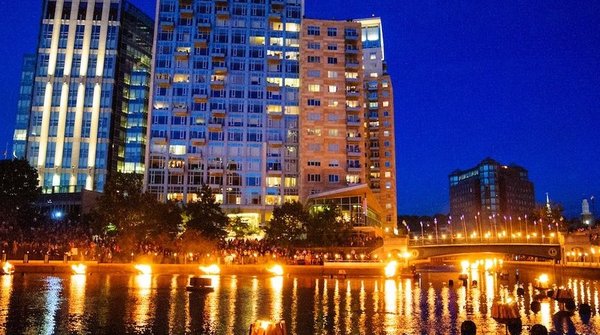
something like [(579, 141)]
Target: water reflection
[(5, 293), (77, 302), (142, 296), (160, 304)]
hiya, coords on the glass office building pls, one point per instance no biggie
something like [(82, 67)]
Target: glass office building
[(89, 96), (24, 106), (225, 103)]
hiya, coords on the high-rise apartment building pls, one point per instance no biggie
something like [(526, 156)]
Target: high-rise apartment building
[(88, 105), (490, 193), (332, 133), (266, 106), (24, 106), (379, 115), (225, 103)]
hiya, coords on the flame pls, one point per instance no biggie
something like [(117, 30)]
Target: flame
[(390, 269), (543, 278), (79, 269), (143, 269), (276, 270), (212, 269)]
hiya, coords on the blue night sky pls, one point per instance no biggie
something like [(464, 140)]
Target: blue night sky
[(518, 81)]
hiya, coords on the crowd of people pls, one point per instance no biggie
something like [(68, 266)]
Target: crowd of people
[(67, 241)]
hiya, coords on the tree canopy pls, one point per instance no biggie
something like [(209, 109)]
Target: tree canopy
[(18, 190), (206, 216)]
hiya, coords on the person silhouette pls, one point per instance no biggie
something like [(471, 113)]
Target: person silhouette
[(468, 328), (538, 330)]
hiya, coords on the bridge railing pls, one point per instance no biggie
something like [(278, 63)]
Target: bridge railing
[(418, 241)]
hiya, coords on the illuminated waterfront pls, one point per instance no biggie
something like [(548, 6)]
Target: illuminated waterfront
[(159, 304)]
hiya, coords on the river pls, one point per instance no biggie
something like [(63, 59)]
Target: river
[(159, 304)]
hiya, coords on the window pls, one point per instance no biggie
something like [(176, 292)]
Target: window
[(332, 47), (314, 163), (314, 45), (314, 177), (332, 60), (314, 88), (333, 147), (314, 73), (314, 59), (332, 74), (313, 102), (332, 31), (313, 31), (334, 163), (334, 178), (333, 132), (332, 88)]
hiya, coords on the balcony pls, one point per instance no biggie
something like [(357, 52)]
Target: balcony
[(200, 98), (351, 37), (198, 141), (167, 25), (353, 123), (353, 168), (352, 65), (274, 172), (275, 142), (275, 114), (277, 3), (275, 17), (353, 109), (180, 110), (215, 124), (159, 139), (353, 153), (274, 59), (273, 87), (186, 11), (218, 112), (353, 138), (201, 43), (220, 70), (217, 82), (352, 51), (352, 80), (222, 13), (353, 94), (162, 80), (204, 26), (218, 55), (216, 171), (182, 55)]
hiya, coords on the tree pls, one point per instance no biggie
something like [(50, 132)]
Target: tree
[(125, 208), (206, 216), (242, 228), (327, 227), (18, 191), (287, 227)]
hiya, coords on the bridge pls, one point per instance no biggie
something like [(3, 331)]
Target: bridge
[(422, 250)]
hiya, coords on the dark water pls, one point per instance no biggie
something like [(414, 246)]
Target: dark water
[(121, 304)]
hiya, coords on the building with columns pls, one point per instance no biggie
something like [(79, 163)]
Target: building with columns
[(89, 94)]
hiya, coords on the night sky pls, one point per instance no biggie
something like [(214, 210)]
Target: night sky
[(518, 81)]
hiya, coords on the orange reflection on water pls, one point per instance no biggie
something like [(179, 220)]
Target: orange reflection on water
[(6, 283), (276, 298), (143, 292), (77, 301), (391, 310)]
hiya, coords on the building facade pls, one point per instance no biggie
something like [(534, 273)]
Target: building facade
[(379, 113), (490, 194), (332, 133), (24, 106), (88, 104), (225, 103)]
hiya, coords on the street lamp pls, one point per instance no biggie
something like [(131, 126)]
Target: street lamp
[(422, 233), (450, 225), (462, 218), (436, 230)]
